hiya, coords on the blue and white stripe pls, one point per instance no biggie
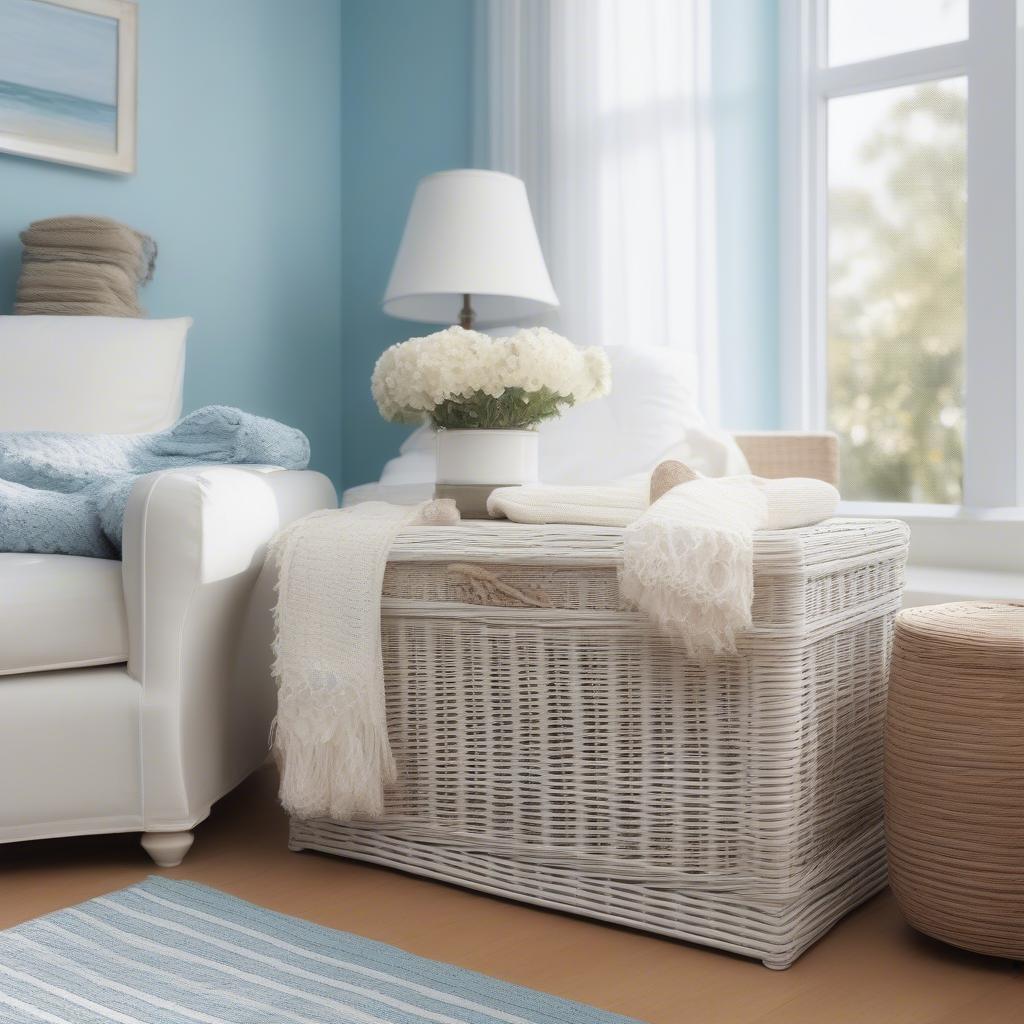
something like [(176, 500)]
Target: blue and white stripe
[(167, 951)]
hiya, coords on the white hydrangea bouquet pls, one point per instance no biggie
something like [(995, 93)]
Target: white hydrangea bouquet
[(485, 397), (465, 380)]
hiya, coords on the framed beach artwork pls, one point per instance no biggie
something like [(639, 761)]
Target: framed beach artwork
[(67, 81)]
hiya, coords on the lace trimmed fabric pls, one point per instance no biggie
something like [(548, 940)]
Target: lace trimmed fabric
[(688, 561)]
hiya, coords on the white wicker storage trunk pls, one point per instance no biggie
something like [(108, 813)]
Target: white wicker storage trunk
[(573, 757)]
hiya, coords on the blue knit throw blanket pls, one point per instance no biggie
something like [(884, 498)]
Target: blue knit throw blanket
[(66, 493)]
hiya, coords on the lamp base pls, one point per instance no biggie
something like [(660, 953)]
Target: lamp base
[(467, 315)]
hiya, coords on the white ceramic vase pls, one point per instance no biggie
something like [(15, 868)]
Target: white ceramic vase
[(490, 458)]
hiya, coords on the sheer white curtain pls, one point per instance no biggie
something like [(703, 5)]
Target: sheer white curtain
[(603, 107)]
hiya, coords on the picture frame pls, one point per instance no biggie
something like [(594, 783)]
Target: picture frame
[(68, 81)]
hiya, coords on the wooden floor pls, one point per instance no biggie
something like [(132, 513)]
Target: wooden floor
[(871, 968)]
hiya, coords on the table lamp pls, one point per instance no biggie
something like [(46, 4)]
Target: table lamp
[(470, 253)]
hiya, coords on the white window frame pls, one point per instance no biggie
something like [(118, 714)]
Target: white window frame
[(994, 355)]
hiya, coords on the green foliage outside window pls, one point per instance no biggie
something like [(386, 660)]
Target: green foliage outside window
[(896, 319)]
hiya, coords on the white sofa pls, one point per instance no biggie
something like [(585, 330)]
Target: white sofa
[(134, 694)]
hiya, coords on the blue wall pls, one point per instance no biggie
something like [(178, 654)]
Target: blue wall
[(406, 81), (745, 107), (238, 180)]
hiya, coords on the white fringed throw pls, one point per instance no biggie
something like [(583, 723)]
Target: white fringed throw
[(688, 562), (688, 559), (330, 735)]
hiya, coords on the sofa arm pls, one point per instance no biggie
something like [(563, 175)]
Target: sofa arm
[(194, 544), (776, 454)]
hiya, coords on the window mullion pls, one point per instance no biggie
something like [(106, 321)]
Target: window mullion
[(992, 467), (797, 165)]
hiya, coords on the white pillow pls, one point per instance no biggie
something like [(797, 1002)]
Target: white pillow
[(91, 374), (413, 467), (650, 415)]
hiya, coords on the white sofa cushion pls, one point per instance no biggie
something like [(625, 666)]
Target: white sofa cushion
[(60, 611), (92, 374), (69, 753)]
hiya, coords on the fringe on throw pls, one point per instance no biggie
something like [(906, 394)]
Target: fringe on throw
[(688, 563), (330, 737)]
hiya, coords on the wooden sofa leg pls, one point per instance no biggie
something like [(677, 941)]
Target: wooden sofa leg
[(167, 849)]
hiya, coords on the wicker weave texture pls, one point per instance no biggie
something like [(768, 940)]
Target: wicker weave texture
[(775, 454), (570, 756), (954, 776)]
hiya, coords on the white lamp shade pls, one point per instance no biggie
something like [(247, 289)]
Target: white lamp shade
[(469, 232)]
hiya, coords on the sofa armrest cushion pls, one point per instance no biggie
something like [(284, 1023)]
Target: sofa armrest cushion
[(203, 527), (194, 545)]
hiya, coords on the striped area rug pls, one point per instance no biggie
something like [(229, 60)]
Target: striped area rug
[(167, 951)]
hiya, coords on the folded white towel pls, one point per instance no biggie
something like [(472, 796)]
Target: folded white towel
[(592, 505)]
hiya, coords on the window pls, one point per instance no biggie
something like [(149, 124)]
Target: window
[(899, 127), (864, 29), (895, 289)]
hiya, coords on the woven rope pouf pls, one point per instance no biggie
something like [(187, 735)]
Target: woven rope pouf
[(954, 774)]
